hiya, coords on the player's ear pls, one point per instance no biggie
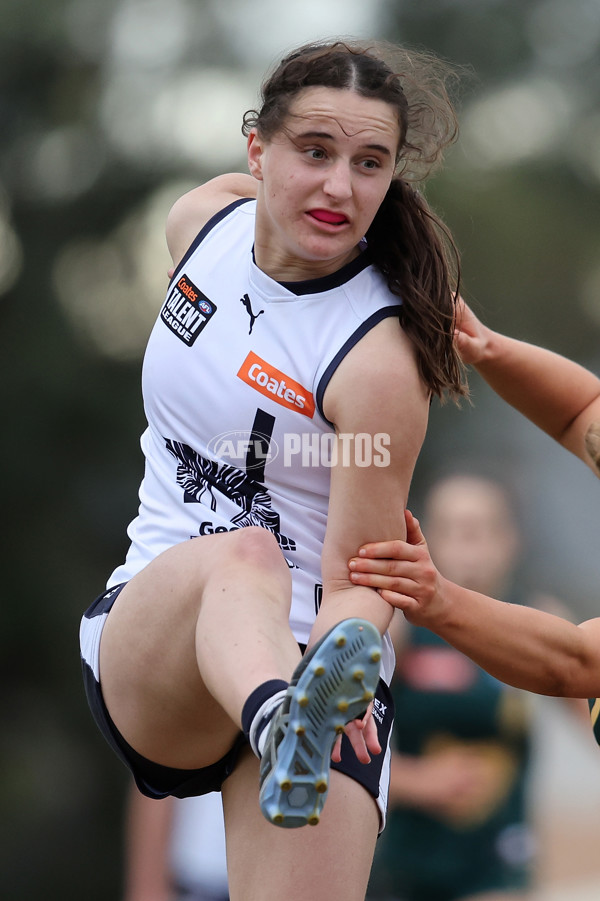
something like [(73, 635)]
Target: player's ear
[(255, 154)]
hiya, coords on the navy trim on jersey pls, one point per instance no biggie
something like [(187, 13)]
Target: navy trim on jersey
[(328, 282), (206, 228), (309, 286), (354, 338)]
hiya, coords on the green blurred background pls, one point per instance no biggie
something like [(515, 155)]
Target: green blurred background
[(109, 109)]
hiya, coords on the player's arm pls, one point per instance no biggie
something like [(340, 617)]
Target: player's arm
[(147, 870), (561, 397), (193, 210), (377, 392), (527, 648)]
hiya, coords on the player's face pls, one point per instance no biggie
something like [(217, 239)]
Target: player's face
[(322, 180), (471, 535)]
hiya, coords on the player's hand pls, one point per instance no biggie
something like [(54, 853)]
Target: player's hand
[(363, 737), (402, 572), (459, 783), (471, 335)]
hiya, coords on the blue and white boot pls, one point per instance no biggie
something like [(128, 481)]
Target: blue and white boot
[(332, 685)]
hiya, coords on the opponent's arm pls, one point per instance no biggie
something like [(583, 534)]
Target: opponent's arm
[(561, 397), (524, 647), (193, 210)]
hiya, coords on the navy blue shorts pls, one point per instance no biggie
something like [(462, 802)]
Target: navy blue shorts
[(157, 781)]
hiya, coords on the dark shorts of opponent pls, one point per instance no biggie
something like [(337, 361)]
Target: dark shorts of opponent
[(157, 781)]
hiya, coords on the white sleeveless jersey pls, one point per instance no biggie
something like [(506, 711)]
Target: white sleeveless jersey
[(233, 382)]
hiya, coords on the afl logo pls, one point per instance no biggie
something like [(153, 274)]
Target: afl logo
[(205, 307), (239, 447)]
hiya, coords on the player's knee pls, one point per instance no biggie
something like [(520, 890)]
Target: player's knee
[(258, 547), (257, 551)]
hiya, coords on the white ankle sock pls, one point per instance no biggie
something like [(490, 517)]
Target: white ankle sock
[(261, 720)]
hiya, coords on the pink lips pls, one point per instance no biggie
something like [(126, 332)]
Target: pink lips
[(328, 216)]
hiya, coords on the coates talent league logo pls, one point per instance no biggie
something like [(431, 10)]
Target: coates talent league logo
[(186, 310)]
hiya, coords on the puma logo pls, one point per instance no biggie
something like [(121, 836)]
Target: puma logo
[(248, 306)]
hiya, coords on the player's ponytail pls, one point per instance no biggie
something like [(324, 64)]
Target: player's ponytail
[(419, 260)]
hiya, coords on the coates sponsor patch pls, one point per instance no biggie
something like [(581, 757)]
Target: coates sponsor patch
[(277, 385), (186, 310)]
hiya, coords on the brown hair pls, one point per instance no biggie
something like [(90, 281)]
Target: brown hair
[(406, 240)]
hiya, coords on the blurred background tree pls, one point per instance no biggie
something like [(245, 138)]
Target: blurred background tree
[(109, 109)]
